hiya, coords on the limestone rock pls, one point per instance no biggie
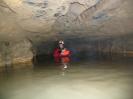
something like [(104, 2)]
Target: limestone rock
[(15, 52), (68, 16), (22, 52), (41, 21)]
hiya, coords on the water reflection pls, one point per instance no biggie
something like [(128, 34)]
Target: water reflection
[(63, 63), (82, 80)]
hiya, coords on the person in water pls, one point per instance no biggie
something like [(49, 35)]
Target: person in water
[(61, 51), (61, 54)]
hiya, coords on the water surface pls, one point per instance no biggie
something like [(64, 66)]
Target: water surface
[(81, 80)]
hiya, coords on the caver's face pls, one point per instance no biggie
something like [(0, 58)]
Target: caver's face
[(61, 46)]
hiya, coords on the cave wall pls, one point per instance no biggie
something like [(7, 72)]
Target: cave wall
[(103, 26), (15, 52)]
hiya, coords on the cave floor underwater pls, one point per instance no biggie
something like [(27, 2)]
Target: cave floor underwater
[(80, 80)]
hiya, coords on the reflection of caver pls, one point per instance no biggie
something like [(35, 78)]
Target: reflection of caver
[(64, 64), (65, 61)]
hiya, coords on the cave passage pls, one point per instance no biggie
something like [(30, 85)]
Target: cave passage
[(97, 33), (87, 48), (92, 71)]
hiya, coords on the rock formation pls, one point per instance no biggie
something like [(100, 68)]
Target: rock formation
[(29, 27)]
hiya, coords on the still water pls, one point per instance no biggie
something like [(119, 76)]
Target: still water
[(80, 80)]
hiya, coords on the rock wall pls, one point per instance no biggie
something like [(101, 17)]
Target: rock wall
[(15, 52), (42, 22)]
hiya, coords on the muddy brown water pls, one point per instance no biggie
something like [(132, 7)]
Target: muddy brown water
[(80, 80)]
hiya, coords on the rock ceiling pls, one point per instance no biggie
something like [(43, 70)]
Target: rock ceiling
[(21, 18)]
